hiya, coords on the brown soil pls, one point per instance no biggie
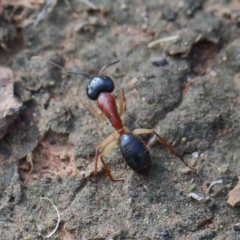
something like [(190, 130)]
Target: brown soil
[(187, 90)]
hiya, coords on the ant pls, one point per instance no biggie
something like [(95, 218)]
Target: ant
[(133, 150)]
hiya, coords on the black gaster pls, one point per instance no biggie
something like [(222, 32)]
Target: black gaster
[(135, 153)]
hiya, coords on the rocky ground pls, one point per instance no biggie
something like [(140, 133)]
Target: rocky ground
[(186, 87)]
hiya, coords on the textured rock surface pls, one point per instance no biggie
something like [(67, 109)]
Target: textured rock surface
[(193, 101)]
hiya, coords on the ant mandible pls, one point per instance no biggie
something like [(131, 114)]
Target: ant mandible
[(133, 150)]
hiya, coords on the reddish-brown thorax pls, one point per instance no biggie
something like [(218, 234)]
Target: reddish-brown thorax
[(108, 106)]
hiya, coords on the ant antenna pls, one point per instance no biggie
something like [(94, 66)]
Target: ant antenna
[(56, 65), (123, 55)]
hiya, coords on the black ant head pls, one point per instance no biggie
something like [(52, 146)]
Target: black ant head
[(98, 85)]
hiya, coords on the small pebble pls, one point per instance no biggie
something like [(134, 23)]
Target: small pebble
[(195, 154), (234, 196), (123, 6), (184, 139), (64, 156), (69, 170), (134, 80), (169, 15), (164, 233), (51, 83), (35, 177), (159, 61), (224, 58), (211, 226), (213, 73), (236, 227), (186, 170)]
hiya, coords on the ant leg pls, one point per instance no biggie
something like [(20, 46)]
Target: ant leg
[(95, 113), (122, 103), (109, 173), (106, 150), (173, 151), (104, 143)]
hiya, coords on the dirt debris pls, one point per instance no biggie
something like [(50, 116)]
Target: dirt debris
[(24, 12), (234, 196), (10, 105), (187, 90)]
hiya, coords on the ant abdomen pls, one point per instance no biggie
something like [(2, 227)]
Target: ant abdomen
[(135, 153), (98, 85)]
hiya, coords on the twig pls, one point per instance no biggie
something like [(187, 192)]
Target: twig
[(161, 40), (30, 161), (212, 184), (47, 7), (55, 229), (49, 171), (195, 196)]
